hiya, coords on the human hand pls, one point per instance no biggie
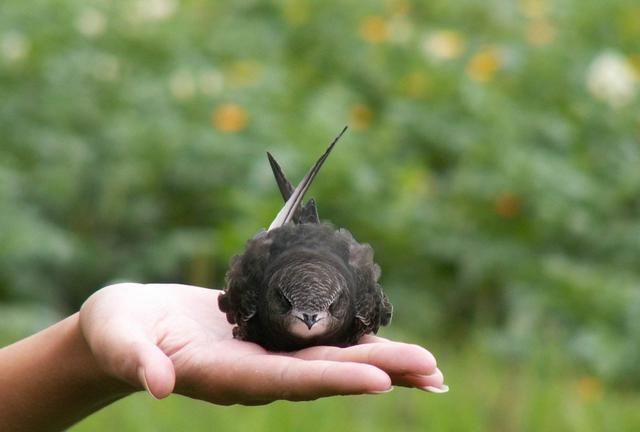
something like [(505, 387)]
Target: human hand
[(170, 337)]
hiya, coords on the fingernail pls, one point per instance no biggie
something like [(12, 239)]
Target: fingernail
[(143, 379), (432, 389), (389, 390)]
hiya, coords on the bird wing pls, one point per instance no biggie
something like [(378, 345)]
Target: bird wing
[(373, 308), (244, 281), (307, 213), (283, 183), (287, 212)]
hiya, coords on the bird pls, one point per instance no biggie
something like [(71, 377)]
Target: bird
[(302, 282)]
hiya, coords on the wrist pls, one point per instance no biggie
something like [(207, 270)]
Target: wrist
[(87, 373), (55, 380)]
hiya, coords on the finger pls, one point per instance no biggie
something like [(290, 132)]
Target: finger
[(370, 338), (423, 382), (395, 358), (272, 377), (131, 356), (155, 371)]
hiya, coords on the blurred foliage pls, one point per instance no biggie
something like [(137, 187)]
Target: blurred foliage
[(492, 159)]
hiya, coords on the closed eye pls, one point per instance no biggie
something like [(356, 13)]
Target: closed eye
[(336, 307), (284, 301)]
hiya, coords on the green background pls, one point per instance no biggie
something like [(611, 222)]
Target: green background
[(492, 161)]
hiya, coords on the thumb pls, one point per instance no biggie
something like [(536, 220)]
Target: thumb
[(155, 371)]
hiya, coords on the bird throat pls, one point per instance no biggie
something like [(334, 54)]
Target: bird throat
[(302, 331)]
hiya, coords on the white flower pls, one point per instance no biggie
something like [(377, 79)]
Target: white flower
[(91, 23), (155, 10), (611, 79), (443, 45), (14, 47)]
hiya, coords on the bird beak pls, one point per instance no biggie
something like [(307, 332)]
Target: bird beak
[(309, 319)]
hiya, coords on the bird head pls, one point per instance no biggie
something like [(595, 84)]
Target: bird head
[(308, 295)]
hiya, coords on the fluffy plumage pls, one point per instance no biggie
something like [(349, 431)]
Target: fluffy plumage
[(303, 282)]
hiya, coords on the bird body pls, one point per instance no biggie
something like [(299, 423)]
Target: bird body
[(303, 282)]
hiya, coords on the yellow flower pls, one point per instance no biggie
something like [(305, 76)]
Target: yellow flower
[(374, 29), (589, 388), (229, 117), (508, 205), (484, 64), (361, 116), (443, 45), (540, 31)]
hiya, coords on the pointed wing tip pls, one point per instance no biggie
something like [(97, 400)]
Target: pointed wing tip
[(344, 129), (286, 213), (333, 143)]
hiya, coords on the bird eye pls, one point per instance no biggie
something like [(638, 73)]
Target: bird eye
[(332, 308), (335, 307), (284, 301)]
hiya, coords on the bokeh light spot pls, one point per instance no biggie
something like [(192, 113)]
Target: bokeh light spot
[(229, 117), (484, 64), (508, 205), (443, 45), (374, 29), (361, 116)]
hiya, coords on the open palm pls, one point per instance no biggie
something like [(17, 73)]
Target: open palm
[(170, 337)]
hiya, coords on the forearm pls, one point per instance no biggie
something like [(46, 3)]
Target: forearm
[(51, 380)]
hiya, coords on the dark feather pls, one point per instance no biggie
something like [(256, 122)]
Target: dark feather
[(303, 214), (283, 183), (285, 214), (302, 270)]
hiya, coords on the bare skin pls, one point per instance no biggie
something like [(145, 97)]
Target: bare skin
[(169, 338)]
